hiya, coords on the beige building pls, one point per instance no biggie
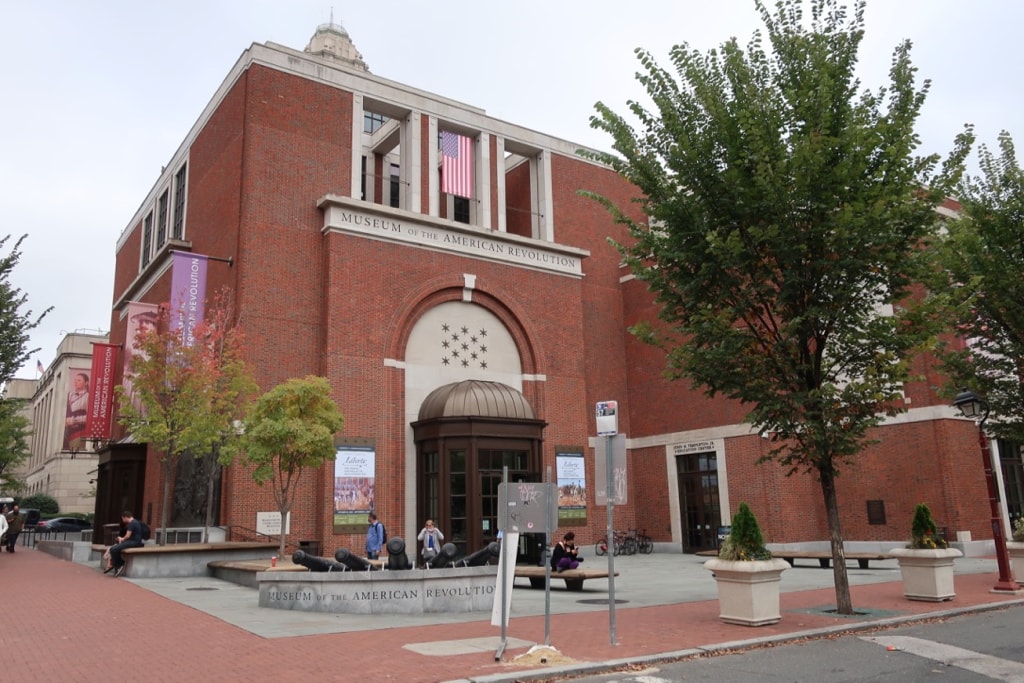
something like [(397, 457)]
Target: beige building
[(63, 464)]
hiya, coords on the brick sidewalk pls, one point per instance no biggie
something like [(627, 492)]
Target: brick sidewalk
[(69, 622)]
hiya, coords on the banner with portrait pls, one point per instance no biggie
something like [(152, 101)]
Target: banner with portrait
[(142, 318), (76, 410)]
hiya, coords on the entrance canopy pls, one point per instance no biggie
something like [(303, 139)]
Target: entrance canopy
[(472, 398)]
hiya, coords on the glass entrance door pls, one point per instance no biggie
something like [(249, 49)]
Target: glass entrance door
[(700, 510)]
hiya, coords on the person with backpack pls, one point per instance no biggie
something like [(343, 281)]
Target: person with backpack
[(376, 537), (132, 538)]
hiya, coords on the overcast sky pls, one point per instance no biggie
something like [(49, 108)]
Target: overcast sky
[(97, 96)]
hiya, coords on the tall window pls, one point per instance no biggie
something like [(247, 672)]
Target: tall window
[(461, 210), (147, 239), (394, 194), (161, 219), (179, 202)]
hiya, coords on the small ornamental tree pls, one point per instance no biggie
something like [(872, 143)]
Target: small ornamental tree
[(923, 532), (290, 429), (185, 397), (744, 542)]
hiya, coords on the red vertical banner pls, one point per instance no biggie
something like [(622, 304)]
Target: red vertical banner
[(101, 399)]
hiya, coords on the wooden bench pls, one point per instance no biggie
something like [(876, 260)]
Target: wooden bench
[(824, 557), (178, 560), (573, 578)]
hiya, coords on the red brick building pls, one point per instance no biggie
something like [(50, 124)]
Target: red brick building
[(464, 330)]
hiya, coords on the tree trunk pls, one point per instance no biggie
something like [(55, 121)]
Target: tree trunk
[(844, 605), (165, 500), (211, 471)]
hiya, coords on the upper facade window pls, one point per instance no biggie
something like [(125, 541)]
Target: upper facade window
[(372, 121), (165, 219)]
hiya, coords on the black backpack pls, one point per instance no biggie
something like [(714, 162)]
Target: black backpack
[(383, 535), (145, 530)]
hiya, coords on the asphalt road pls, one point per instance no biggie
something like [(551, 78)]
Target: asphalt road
[(973, 648)]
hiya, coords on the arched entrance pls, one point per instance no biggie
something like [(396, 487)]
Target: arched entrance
[(465, 434)]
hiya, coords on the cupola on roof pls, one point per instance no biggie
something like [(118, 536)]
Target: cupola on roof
[(331, 40)]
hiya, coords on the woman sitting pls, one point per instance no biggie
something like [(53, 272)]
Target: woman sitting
[(565, 554)]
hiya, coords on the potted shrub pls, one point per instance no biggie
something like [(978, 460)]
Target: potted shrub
[(747, 575), (926, 564), (1016, 549)]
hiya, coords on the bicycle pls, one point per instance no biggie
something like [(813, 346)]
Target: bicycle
[(618, 543), (646, 544)]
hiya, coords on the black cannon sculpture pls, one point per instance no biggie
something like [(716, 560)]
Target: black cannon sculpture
[(444, 556), (397, 559), (482, 556), (353, 562), (316, 564)]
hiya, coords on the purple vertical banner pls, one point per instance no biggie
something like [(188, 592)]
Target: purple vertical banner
[(188, 294)]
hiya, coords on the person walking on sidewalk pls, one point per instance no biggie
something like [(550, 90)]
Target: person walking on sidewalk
[(132, 539), (3, 525), (15, 523), (374, 537)]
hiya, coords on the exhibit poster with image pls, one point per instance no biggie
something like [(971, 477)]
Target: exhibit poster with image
[(572, 488), (354, 484)]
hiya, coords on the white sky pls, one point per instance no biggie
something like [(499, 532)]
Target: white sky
[(97, 96)]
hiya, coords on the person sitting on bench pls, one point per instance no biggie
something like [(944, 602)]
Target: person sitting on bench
[(132, 538), (565, 554)]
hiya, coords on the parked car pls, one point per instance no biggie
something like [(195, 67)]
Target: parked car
[(64, 524), (31, 518)]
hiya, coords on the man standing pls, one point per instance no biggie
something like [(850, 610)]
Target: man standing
[(132, 539), (374, 538), (15, 523)]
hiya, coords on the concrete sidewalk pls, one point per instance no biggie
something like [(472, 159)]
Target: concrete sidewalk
[(72, 622)]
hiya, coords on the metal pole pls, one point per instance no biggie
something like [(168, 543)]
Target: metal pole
[(504, 563), (610, 500), (1006, 582), (547, 559)]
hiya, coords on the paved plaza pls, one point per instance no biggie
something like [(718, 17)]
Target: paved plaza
[(71, 622)]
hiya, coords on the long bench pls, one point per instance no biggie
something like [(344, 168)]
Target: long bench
[(188, 559), (824, 557), (573, 578)]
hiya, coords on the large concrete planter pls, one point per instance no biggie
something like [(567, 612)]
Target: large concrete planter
[(1016, 551), (748, 592), (927, 574)]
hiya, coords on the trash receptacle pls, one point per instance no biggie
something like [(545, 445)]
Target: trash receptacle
[(310, 547), (110, 533)]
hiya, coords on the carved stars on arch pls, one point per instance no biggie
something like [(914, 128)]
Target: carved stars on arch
[(463, 347)]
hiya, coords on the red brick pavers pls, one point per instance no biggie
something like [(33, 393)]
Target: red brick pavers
[(69, 622)]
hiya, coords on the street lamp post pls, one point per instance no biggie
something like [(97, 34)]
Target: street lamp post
[(975, 408)]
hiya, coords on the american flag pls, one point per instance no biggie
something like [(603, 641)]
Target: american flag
[(456, 164), (39, 367)]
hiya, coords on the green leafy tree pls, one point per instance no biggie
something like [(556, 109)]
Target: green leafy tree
[(290, 429), (14, 432), (980, 260), (185, 397), (784, 207), (15, 324)]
